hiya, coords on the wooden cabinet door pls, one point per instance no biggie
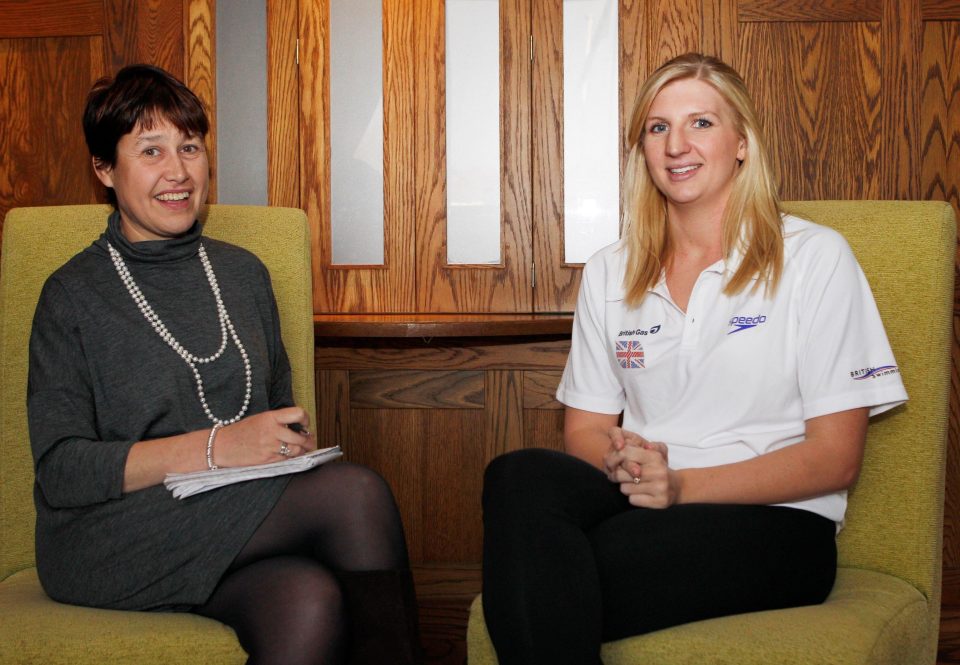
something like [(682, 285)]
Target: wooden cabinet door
[(414, 276), (506, 287)]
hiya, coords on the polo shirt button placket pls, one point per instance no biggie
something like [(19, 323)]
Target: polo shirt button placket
[(691, 329)]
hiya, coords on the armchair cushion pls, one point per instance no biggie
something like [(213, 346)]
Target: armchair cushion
[(39, 630), (869, 618)]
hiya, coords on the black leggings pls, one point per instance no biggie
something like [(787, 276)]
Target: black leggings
[(283, 594), (568, 563)]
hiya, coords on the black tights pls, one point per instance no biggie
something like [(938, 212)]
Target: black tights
[(568, 563), (284, 593)]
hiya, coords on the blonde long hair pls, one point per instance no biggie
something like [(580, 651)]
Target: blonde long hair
[(751, 218)]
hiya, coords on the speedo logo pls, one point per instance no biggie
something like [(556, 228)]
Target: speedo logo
[(738, 323)]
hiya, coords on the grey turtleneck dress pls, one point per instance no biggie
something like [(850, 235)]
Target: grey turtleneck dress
[(102, 379)]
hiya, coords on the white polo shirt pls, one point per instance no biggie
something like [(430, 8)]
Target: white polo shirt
[(734, 377)]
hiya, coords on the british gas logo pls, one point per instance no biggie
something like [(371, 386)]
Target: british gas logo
[(740, 323)]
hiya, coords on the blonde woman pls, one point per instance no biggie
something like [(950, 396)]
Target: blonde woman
[(724, 362)]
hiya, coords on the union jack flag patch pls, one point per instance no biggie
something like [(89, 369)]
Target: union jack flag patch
[(630, 354)]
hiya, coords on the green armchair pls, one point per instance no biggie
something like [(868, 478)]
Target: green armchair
[(33, 628), (885, 606)]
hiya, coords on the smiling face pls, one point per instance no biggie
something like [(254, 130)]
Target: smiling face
[(160, 178), (691, 145)]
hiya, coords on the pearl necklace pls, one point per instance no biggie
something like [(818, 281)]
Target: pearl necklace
[(226, 326)]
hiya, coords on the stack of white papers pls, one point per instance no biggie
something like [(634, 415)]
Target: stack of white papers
[(187, 484)]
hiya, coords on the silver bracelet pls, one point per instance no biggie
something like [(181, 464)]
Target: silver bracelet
[(213, 435)]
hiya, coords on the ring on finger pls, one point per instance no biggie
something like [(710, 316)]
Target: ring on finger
[(636, 480), (284, 449)]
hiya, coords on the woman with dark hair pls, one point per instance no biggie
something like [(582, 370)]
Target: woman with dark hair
[(724, 361), (158, 350)]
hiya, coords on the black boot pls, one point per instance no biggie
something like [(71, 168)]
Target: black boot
[(381, 609)]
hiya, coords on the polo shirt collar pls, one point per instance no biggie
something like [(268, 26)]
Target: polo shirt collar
[(728, 266)]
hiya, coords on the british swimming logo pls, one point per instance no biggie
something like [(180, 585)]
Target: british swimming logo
[(873, 372), (629, 354), (741, 323)]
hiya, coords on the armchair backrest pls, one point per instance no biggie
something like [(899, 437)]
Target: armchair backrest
[(36, 241), (895, 515)]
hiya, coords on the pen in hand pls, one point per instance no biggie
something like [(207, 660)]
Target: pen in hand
[(299, 429)]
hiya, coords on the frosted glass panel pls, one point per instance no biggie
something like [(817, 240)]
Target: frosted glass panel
[(356, 131), (473, 131), (591, 160)]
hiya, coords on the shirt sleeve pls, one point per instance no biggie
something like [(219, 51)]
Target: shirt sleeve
[(281, 378), (589, 382), (73, 467), (844, 358)]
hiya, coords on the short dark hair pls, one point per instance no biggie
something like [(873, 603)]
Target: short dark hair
[(138, 95)]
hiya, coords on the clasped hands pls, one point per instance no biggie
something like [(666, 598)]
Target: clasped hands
[(641, 469)]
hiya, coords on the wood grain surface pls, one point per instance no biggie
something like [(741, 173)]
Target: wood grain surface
[(900, 42), (540, 389), (461, 354), (147, 31), (415, 389), (43, 157), (826, 146), (557, 283), (942, 10), (720, 27), (940, 180), (51, 18), (201, 71), (283, 111), (819, 11)]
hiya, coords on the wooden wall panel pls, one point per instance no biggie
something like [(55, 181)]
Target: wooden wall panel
[(635, 63), (51, 18), (504, 426), (200, 71), (543, 429), (283, 111), (149, 31), (390, 287), (817, 11), (901, 30), (940, 112), (43, 157), (940, 180), (453, 473), (392, 442), (720, 29), (826, 146), (333, 408), (557, 283), (677, 31), (413, 389), (441, 287), (540, 390), (942, 10)]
